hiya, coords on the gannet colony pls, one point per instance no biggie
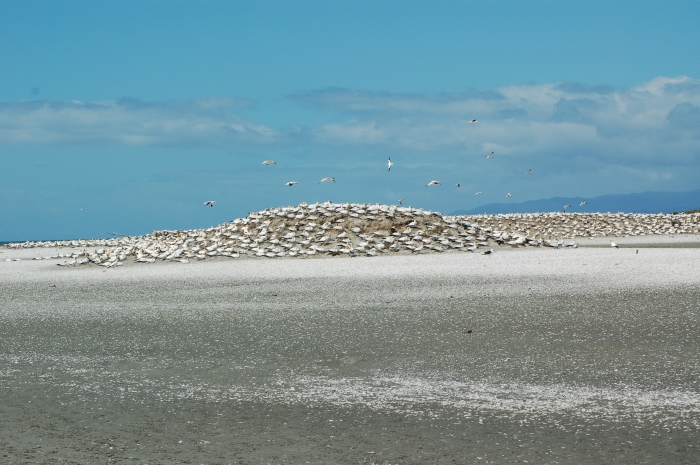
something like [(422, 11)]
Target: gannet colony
[(363, 230)]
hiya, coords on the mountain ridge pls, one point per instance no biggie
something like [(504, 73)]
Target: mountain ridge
[(642, 202)]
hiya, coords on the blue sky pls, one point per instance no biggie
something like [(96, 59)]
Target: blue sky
[(137, 112)]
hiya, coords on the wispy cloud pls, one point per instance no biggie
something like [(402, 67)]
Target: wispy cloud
[(198, 122), (658, 117)]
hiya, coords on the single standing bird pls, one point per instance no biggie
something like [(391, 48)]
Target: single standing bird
[(582, 203), (401, 201), (566, 206), (479, 193), (528, 171), (473, 122), (613, 244), (490, 155), (326, 180), (390, 164), (434, 183), (210, 203), (291, 183), (488, 252), (508, 195), (269, 162)]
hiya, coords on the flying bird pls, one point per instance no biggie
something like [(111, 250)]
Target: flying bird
[(473, 122), (291, 183), (528, 171), (479, 193), (390, 164), (269, 162), (326, 180), (210, 203), (434, 183), (458, 185), (566, 206), (490, 155), (508, 195), (401, 201), (582, 203)]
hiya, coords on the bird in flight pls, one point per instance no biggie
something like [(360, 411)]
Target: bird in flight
[(528, 171), (434, 183), (210, 203), (401, 201), (479, 193), (390, 164), (458, 185), (582, 203), (291, 183), (508, 195), (490, 155), (566, 206), (269, 162), (473, 122), (326, 180)]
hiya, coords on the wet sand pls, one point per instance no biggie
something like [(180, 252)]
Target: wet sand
[(583, 355)]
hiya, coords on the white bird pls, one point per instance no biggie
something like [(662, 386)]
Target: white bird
[(613, 244), (473, 122), (479, 193), (458, 185), (490, 155), (401, 201), (528, 171), (508, 195), (326, 180), (210, 203), (582, 203), (434, 183), (566, 206), (269, 162), (390, 164), (291, 183)]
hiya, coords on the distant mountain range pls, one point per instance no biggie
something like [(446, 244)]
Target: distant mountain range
[(645, 202)]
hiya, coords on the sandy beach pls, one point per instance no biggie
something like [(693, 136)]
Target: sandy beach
[(531, 355)]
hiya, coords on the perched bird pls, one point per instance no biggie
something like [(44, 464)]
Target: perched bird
[(508, 195), (488, 252), (434, 183), (458, 185), (291, 183), (479, 193), (613, 244), (210, 203), (528, 171), (401, 201), (566, 206), (269, 162), (582, 203), (326, 180), (390, 164), (473, 122), (490, 155)]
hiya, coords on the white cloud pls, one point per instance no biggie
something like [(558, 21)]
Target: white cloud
[(198, 122), (658, 118)]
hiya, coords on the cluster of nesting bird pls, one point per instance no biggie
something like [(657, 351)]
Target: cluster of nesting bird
[(367, 230)]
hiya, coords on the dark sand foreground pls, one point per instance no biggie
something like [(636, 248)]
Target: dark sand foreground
[(533, 355)]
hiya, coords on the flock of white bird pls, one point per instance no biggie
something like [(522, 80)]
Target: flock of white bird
[(362, 230)]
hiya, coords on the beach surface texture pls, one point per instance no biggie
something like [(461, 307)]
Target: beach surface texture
[(531, 354)]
